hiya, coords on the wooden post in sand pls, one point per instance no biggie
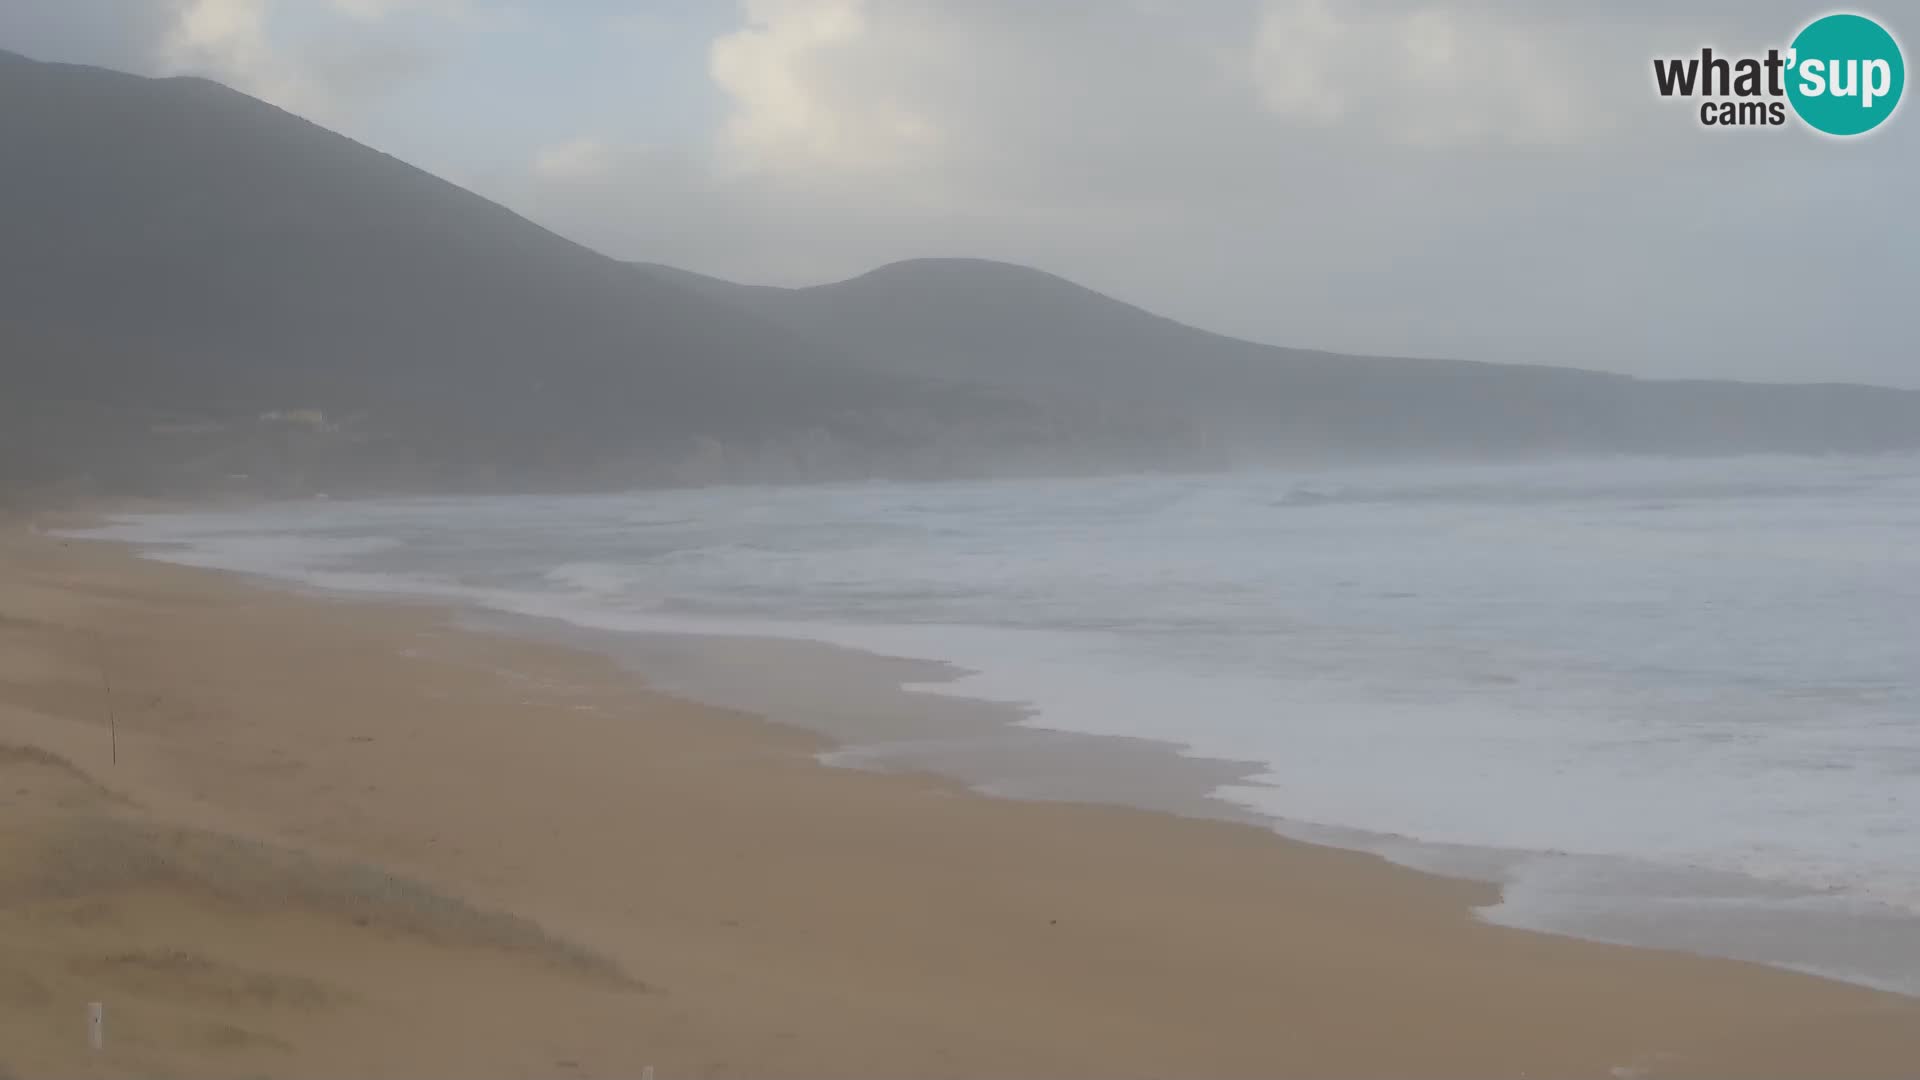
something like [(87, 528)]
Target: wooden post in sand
[(96, 1025), (113, 721)]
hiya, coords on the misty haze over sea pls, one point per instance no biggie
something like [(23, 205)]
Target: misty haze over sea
[(850, 537), (1661, 702)]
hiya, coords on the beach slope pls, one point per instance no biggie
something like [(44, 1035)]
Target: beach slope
[(286, 836)]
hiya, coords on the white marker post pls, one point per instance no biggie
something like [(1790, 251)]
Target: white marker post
[(97, 1025)]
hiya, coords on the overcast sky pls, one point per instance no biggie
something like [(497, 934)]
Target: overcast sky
[(1489, 180)]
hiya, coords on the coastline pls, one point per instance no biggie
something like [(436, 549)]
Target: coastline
[(887, 713), (767, 915), (896, 714)]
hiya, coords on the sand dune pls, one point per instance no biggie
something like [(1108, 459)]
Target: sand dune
[(226, 956), (343, 838)]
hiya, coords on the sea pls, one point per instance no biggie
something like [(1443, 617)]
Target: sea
[(1662, 702)]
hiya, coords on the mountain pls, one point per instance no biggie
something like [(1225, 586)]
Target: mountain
[(1024, 331), (199, 291), (181, 259)]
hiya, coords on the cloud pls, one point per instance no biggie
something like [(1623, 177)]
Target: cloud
[(791, 112), (375, 10), (1292, 52), (1422, 75), (325, 77), (227, 39), (579, 159)]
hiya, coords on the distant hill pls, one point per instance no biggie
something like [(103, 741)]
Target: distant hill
[(180, 256), (199, 291), (1046, 338)]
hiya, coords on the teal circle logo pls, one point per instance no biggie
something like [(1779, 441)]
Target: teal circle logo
[(1845, 74)]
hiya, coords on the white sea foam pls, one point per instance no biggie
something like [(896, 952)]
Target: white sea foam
[(1644, 695)]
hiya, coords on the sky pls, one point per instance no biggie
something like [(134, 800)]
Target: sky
[(1480, 179)]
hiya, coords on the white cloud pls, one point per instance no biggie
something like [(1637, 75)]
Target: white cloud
[(790, 109), (232, 41), (365, 10), (227, 40), (376, 10), (1292, 51), (1422, 75), (583, 158)]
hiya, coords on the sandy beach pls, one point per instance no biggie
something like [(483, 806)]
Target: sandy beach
[(280, 835)]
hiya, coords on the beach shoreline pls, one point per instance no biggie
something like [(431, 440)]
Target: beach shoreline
[(756, 912), (899, 714)]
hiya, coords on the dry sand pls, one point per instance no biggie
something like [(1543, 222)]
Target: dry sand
[(350, 839)]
